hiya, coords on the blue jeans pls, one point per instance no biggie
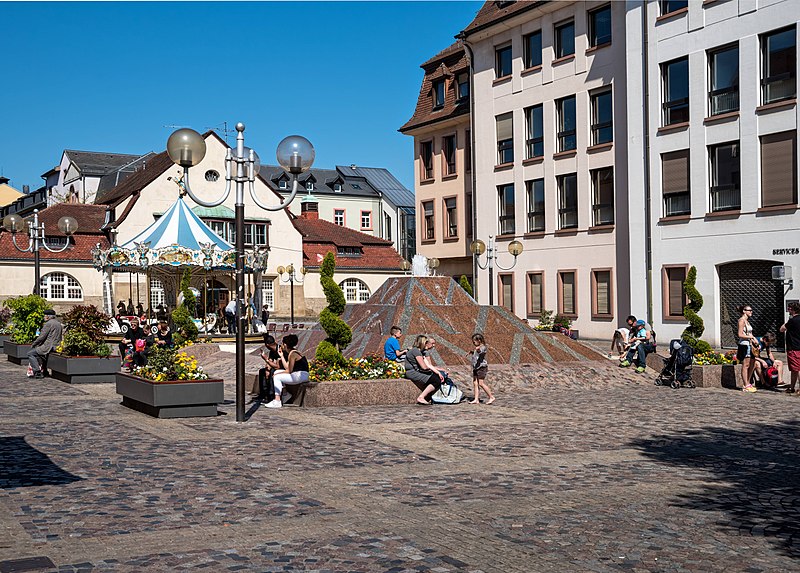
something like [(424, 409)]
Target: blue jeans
[(640, 353)]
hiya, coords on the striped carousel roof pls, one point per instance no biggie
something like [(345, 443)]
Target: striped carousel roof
[(178, 226)]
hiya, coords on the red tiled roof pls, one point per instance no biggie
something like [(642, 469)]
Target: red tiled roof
[(90, 218), (493, 11), (446, 64), (80, 251), (321, 237)]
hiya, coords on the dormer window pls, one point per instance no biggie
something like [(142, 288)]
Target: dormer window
[(355, 186), (337, 187), (438, 94), (463, 86), (283, 184)]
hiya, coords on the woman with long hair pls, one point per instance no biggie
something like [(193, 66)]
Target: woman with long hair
[(747, 344), (420, 372)]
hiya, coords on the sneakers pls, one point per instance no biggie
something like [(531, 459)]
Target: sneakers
[(38, 375), (640, 370), (274, 404), (749, 388), (624, 364)]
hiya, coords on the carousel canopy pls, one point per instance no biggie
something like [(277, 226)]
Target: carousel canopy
[(178, 226)]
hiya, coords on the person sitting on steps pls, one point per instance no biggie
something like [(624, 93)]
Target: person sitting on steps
[(640, 344), (294, 369)]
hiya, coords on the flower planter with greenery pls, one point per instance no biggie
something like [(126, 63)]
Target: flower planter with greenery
[(27, 317), (172, 385), (82, 356), (5, 326)]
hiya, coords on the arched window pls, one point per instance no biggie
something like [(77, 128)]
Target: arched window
[(355, 290), (157, 293), (60, 286)]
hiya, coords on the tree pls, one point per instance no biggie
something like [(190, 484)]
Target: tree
[(694, 331), (184, 326), (465, 285), (339, 334)]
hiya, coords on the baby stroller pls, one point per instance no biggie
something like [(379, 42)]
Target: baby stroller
[(677, 370)]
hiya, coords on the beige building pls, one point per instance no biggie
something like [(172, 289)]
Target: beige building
[(7, 193), (442, 162), (550, 159)]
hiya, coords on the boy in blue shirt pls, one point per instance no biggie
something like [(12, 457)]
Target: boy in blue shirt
[(391, 350)]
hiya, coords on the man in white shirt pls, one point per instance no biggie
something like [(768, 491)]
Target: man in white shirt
[(230, 316)]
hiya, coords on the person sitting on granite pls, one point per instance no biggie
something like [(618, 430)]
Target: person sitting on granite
[(420, 372), (294, 369), (271, 358)]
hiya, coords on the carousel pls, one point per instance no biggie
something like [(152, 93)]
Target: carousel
[(178, 241)]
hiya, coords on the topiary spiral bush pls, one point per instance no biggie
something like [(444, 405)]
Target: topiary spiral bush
[(694, 331), (464, 283), (339, 334)]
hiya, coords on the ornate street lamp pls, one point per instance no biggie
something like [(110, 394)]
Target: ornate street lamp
[(186, 148), (291, 279), (405, 266), (478, 247), (36, 238)]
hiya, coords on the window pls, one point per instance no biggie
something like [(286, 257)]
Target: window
[(449, 154), (387, 225), (349, 251), (601, 293), (675, 183), (268, 294), (565, 39), (462, 85), (506, 197), (60, 286), (427, 210), (675, 79), (505, 138), (467, 151), (567, 294), (248, 234), (778, 74), (337, 187), (502, 61), (725, 176), (451, 216), (566, 124), (533, 49), (670, 6), (602, 118), (220, 228), (260, 234), (603, 196), (338, 217), (779, 169), (438, 94), (366, 220), (724, 81), (426, 160), (310, 186), (355, 290), (535, 193), (534, 142), (567, 201), (283, 184), (255, 234), (507, 291), (212, 175), (157, 293), (674, 297), (535, 294), (600, 26)]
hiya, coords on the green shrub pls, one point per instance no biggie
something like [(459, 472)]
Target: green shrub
[(27, 316), (465, 285), (692, 333), (185, 330), (561, 321), (189, 298), (546, 319), (339, 334), (84, 332)]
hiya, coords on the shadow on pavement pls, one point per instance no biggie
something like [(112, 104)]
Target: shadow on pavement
[(755, 468), (22, 465)]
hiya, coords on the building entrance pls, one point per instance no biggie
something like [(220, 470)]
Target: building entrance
[(749, 282)]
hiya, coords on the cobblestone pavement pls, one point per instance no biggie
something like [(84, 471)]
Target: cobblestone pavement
[(617, 475)]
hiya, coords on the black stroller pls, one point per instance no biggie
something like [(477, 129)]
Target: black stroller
[(677, 370)]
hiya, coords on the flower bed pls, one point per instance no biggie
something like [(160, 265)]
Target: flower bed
[(165, 365), (714, 358), (372, 367)]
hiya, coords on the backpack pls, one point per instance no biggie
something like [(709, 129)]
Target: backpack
[(449, 393), (771, 377)]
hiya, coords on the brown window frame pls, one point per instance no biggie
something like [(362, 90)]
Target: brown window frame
[(425, 226), (447, 169), (573, 315), (596, 314), (426, 173), (775, 172), (684, 195), (529, 297), (500, 295), (665, 298), (446, 217)]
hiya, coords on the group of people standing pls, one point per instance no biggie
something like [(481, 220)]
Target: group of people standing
[(755, 354), (421, 370)]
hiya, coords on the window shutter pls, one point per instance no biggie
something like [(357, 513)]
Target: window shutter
[(675, 278), (536, 293), (778, 169), (505, 127), (675, 172), (602, 283), (508, 297), (568, 293)]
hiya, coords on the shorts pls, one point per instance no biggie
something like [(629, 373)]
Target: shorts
[(793, 357), (742, 351), (480, 373)]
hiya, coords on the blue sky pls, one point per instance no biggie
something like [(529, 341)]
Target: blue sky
[(109, 76)]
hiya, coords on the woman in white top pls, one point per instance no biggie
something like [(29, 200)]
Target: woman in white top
[(620, 342), (744, 352)]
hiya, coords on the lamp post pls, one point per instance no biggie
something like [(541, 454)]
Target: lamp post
[(405, 266), (291, 279), (433, 264), (478, 247), (36, 239), (186, 148)]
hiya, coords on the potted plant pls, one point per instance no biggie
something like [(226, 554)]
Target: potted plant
[(171, 385), (82, 356), (27, 317), (5, 326)]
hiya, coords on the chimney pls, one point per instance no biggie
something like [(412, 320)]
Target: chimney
[(353, 166), (26, 188), (309, 208), (4, 180)]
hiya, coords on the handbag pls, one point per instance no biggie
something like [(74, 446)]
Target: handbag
[(448, 393)]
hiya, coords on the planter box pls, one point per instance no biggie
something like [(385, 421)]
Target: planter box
[(361, 393), (3, 338), (17, 353), (177, 399), (83, 369), (711, 376)]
